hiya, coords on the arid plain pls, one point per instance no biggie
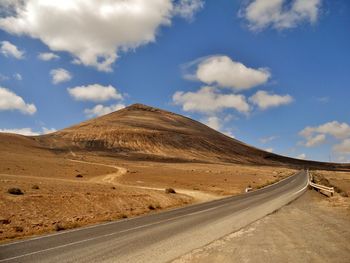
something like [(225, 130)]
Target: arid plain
[(118, 166)]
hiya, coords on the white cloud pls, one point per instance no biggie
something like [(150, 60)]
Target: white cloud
[(229, 134), (218, 123), (315, 140), (48, 130), (301, 156), (269, 150), (10, 50), (17, 76), (208, 100), (11, 101), (316, 135), (95, 92), (93, 31), (224, 72), (267, 139), (28, 131), (336, 129), (280, 14), (343, 147), (100, 110), (60, 75), (22, 131), (265, 100), (214, 122), (187, 8), (47, 56)]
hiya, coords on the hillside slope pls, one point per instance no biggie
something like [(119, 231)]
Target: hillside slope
[(140, 131)]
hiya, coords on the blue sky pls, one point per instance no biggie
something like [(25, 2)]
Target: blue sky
[(274, 74)]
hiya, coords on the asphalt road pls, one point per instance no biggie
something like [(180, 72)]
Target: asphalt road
[(158, 237)]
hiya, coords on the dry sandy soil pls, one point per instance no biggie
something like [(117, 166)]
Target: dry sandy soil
[(110, 189), (313, 228)]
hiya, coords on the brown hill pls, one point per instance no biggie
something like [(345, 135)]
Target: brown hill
[(143, 132)]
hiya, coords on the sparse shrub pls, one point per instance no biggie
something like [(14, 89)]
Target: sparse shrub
[(151, 207), (5, 221), (18, 229), (338, 190), (35, 187), (15, 191), (59, 227), (66, 225), (344, 194), (124, 216), (113, 187), (79, 176), (170, 191)]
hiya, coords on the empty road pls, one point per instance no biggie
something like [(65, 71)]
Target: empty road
[(157, 237)]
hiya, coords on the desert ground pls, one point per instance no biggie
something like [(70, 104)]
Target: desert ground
[(62, 192)]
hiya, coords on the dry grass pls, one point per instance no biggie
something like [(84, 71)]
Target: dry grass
[(339, 180)]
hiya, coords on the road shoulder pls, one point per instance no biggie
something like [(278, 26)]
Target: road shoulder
[(311, 229)]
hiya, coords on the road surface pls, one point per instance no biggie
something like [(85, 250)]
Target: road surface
[(158, 237)]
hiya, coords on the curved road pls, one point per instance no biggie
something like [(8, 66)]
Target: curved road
[(158, 237)]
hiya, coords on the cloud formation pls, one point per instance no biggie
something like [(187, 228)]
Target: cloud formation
[(224, 72), (100, 110), (267, 139), (10, 50), (95, 92), (270, 150), (225, 79), (343, 147), (47, 56), (10, 101), (315, 140), (93, 31), (280, 14), (265, 100), (316, 135), (214, 122), (187, 8), (28, 131), (301, 156), (22, 131), (208, 100), (336, 129), (60, 75)]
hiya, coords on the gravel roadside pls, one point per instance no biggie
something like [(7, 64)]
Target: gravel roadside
[(311, 229)]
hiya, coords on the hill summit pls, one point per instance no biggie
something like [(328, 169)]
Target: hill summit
[(141, 131)]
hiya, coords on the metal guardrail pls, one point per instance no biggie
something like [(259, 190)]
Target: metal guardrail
[(322, 187), (319, 186)]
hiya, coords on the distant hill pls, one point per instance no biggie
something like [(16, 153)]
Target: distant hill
[(143, 132)]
